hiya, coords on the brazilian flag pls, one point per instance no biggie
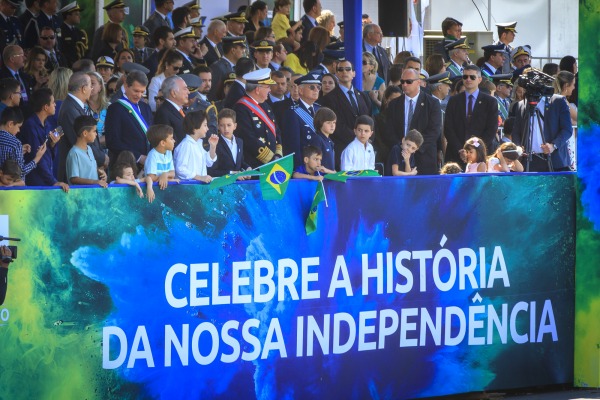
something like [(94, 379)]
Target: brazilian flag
[(275, 178), (311, 220), (342, 176), (229, 179)]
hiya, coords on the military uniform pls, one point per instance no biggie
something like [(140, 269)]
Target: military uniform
[(452, 66), (503, 27), (189, 62), (73, 43), (10, 32), (32, 31)]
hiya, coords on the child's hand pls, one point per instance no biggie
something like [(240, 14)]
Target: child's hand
[(63, 186), (405, 155), (40, 153), (413, 171), (205, 178), (102, 183), (163, 181), (150, 193), (319, 178), (102, 174), (213, 140), (139, 191), (26, 148)]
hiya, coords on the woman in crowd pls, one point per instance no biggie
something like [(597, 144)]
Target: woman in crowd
[(123, 56), (310, 54), (373, 84), (98, 103), (327, 21), (564, 85), (112, 36), (328, 83), (169, 65), (36, 66), (58, 81), (257, 14), (435, 64)]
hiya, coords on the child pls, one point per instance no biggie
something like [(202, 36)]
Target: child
[(359, 154), (81, 164), (451, 168), (10, 174), (124, 174), (127, 157), (230, 149), (324, 122), (508, 129), (475, 153), (191, 159), (506, 158), (159, 163), (402, 156), (312, 168), (11, 120)]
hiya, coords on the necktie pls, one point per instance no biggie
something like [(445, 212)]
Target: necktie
[(411, 111), (23, 89), (53, 59), (353, 102), (311, 110), (470, 107), (181, 112)]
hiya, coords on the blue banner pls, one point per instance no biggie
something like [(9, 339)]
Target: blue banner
[(409, 288)]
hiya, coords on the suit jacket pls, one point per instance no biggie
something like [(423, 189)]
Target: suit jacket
[(307, 25), (214, 53), (69, 111), (153, 22), (427, 119), (28, 82), (383, 61), (219, 70), (167, 114), (142, 55), (236, 92), (296, 133), (152, 63), (61, 61), (483, 124), (25, 18), (344, 130), (225, 163), (123, 132), (73, 43), (557, 128)]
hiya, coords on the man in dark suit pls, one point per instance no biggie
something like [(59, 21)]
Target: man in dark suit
[(47, 41), (73, 42), (80, 88), (348, 103), (171, 111), (233, 47), (256, 121), (557, 129), (11, 29), (13, 58), (214, 36), (238, 87), (372, 36), (164, 39), (312, 10), (128, 119), (415, 109), (297, 123), (186, 46), (469, 114), (46, 17), (32, 10), (159, 17)]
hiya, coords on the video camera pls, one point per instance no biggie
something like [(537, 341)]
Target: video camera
[(536, 84), (13, 250)]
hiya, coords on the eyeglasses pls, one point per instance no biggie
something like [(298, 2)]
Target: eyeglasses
[(471, 77), (365, 62), (47, 37), (407, 81), (175, 68), (159, 98), (314, 87), (342, 69), (17, 93)]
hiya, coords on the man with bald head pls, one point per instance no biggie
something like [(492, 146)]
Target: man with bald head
[(170, 112), (418, 110), (217, 30)]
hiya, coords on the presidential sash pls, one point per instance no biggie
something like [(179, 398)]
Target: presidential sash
[(136, 114), (258, 111), (305, 116)]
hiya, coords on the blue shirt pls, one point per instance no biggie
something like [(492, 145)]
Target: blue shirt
[(11, 148), (158, 163), (302, 170), (319, 140), (396, 158), (474, 94), (81, 164), (35, 134)]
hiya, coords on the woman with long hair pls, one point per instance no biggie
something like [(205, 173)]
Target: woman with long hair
[(36, 66), (373, 84), (169, 65), (112, 36), (564, 85), (310, 54), (327, 21), (98, 103), (58, 82), (257, 13), (123, 56)]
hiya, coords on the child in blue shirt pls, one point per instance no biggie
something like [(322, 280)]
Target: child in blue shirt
[(324, 122), (312, 168), (81, 164), (159, 165), (402, 156)]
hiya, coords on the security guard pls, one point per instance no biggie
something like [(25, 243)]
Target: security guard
[(256, 123), (73, 41)]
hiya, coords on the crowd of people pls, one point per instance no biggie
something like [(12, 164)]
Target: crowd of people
[(173, 104)]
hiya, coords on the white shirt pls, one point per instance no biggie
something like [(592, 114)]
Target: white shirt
[(356, 157), (153, 89), (191, 159)]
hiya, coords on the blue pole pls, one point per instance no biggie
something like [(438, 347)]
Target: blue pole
[(353, 37)]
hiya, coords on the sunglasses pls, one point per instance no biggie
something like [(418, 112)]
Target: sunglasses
[(314, 87), (175, 68), (471, 77), (407, 81), (342, 69), (365, 62), (47, 37), (159, 98)]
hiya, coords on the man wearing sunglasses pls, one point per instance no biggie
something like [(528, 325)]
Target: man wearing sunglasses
[(415, 109), (48, 43), (297, 122), (46, 17), (347, 103), (470, 113)]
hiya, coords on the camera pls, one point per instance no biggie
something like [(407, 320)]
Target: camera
[(536, 84), (8, 259)]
